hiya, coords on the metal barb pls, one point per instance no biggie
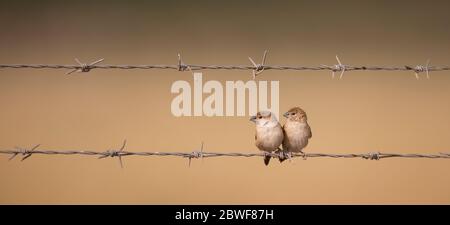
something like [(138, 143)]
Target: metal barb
[(115, 153), (258, 68), (338, 67), (196, 154), (84, 67), (25, 152), (12, 156), (181, 65), (372, 156), (419, 69)]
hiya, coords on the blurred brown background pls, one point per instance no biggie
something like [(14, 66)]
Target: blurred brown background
[(366, 111)]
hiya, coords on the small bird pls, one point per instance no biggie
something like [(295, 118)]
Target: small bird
[(269, 134), (296, 131)]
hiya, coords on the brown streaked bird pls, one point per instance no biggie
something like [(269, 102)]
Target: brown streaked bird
[(269, 134), (296, 131)]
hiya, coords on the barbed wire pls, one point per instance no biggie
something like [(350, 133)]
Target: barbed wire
[(26, 153), (257, 68)]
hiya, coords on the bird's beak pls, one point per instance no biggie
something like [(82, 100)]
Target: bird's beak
[(253, 118), (286, 114)]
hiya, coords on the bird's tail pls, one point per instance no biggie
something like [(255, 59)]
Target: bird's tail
[(267, 159)]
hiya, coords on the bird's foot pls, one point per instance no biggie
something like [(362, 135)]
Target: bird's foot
[(283, 155), (303, 155), (289, 155)]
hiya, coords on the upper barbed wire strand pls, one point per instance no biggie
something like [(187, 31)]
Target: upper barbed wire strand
[(222, 67)]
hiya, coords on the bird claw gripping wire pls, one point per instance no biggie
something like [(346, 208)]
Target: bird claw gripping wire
[(115, 153), (258, 68), (196, 154), (283, 155), (420, 69), (372, 156), (25, 152), (304, 156), (83, 67)]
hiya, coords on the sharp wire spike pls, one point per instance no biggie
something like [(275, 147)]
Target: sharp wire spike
[(180, 63), (196, 154), (339, 61), (35, 147), (30, 152), (419, 68), (253, 62), (78, 61), (341, 68), (120, 151), (123, 145), (12, 157), (83, 66), (97, 62), (258, 68), (120, 161), (264, 58), (182, 66), (114, 153), (201, 152)]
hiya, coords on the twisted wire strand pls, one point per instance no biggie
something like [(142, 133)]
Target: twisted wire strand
[(195, 154), (224, 67), (27, 153)]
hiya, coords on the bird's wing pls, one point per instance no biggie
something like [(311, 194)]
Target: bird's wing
[(283, 144), (310, 132)]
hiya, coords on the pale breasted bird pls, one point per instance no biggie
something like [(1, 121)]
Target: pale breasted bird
[(296, 131), (269, 134)]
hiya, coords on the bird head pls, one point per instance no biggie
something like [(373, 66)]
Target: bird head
[(264, 118), (296, 114)]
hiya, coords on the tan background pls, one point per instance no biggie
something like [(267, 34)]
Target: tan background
[(367, 111)]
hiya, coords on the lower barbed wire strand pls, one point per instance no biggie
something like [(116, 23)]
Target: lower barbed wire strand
[(371, 155)]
